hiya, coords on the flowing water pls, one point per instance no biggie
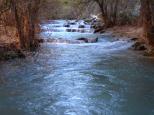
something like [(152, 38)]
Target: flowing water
[(104, 78)]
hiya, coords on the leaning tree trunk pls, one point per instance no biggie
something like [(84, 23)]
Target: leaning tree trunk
[(148, 22)]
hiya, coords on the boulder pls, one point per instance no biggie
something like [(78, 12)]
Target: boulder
[(40, 40), (66, 25), (88, 40), (83, 39), (74, 30), (68, 30), (71, 30), (82, 31), (88, 21), (72, 23), (81, 26), (50, 40), (134, 39), (139, 46)]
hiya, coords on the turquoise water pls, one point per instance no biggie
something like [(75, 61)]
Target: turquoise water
[(104, 78)]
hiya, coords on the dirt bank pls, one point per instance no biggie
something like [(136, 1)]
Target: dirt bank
[(133, 33), (127, 32)]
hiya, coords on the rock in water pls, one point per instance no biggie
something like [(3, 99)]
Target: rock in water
[(40, 40), (81, 26), (66, 25), (72, 23), (68, 30), (92, 40), (74, 30), (83, 39), (134, 39), (139, 46), (88, 40)]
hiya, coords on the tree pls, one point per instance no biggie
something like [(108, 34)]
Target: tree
[(109, 11), (147, 12), (25, 15), (117, 11)]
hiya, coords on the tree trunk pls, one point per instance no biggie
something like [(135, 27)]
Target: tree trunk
[(148, 22), (25, 23), (19, 25)]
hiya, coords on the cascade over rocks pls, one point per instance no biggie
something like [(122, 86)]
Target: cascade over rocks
[(77, 41)]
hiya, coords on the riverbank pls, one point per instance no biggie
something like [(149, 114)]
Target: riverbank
[(133, 33), (9, 44), (10, 51)]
